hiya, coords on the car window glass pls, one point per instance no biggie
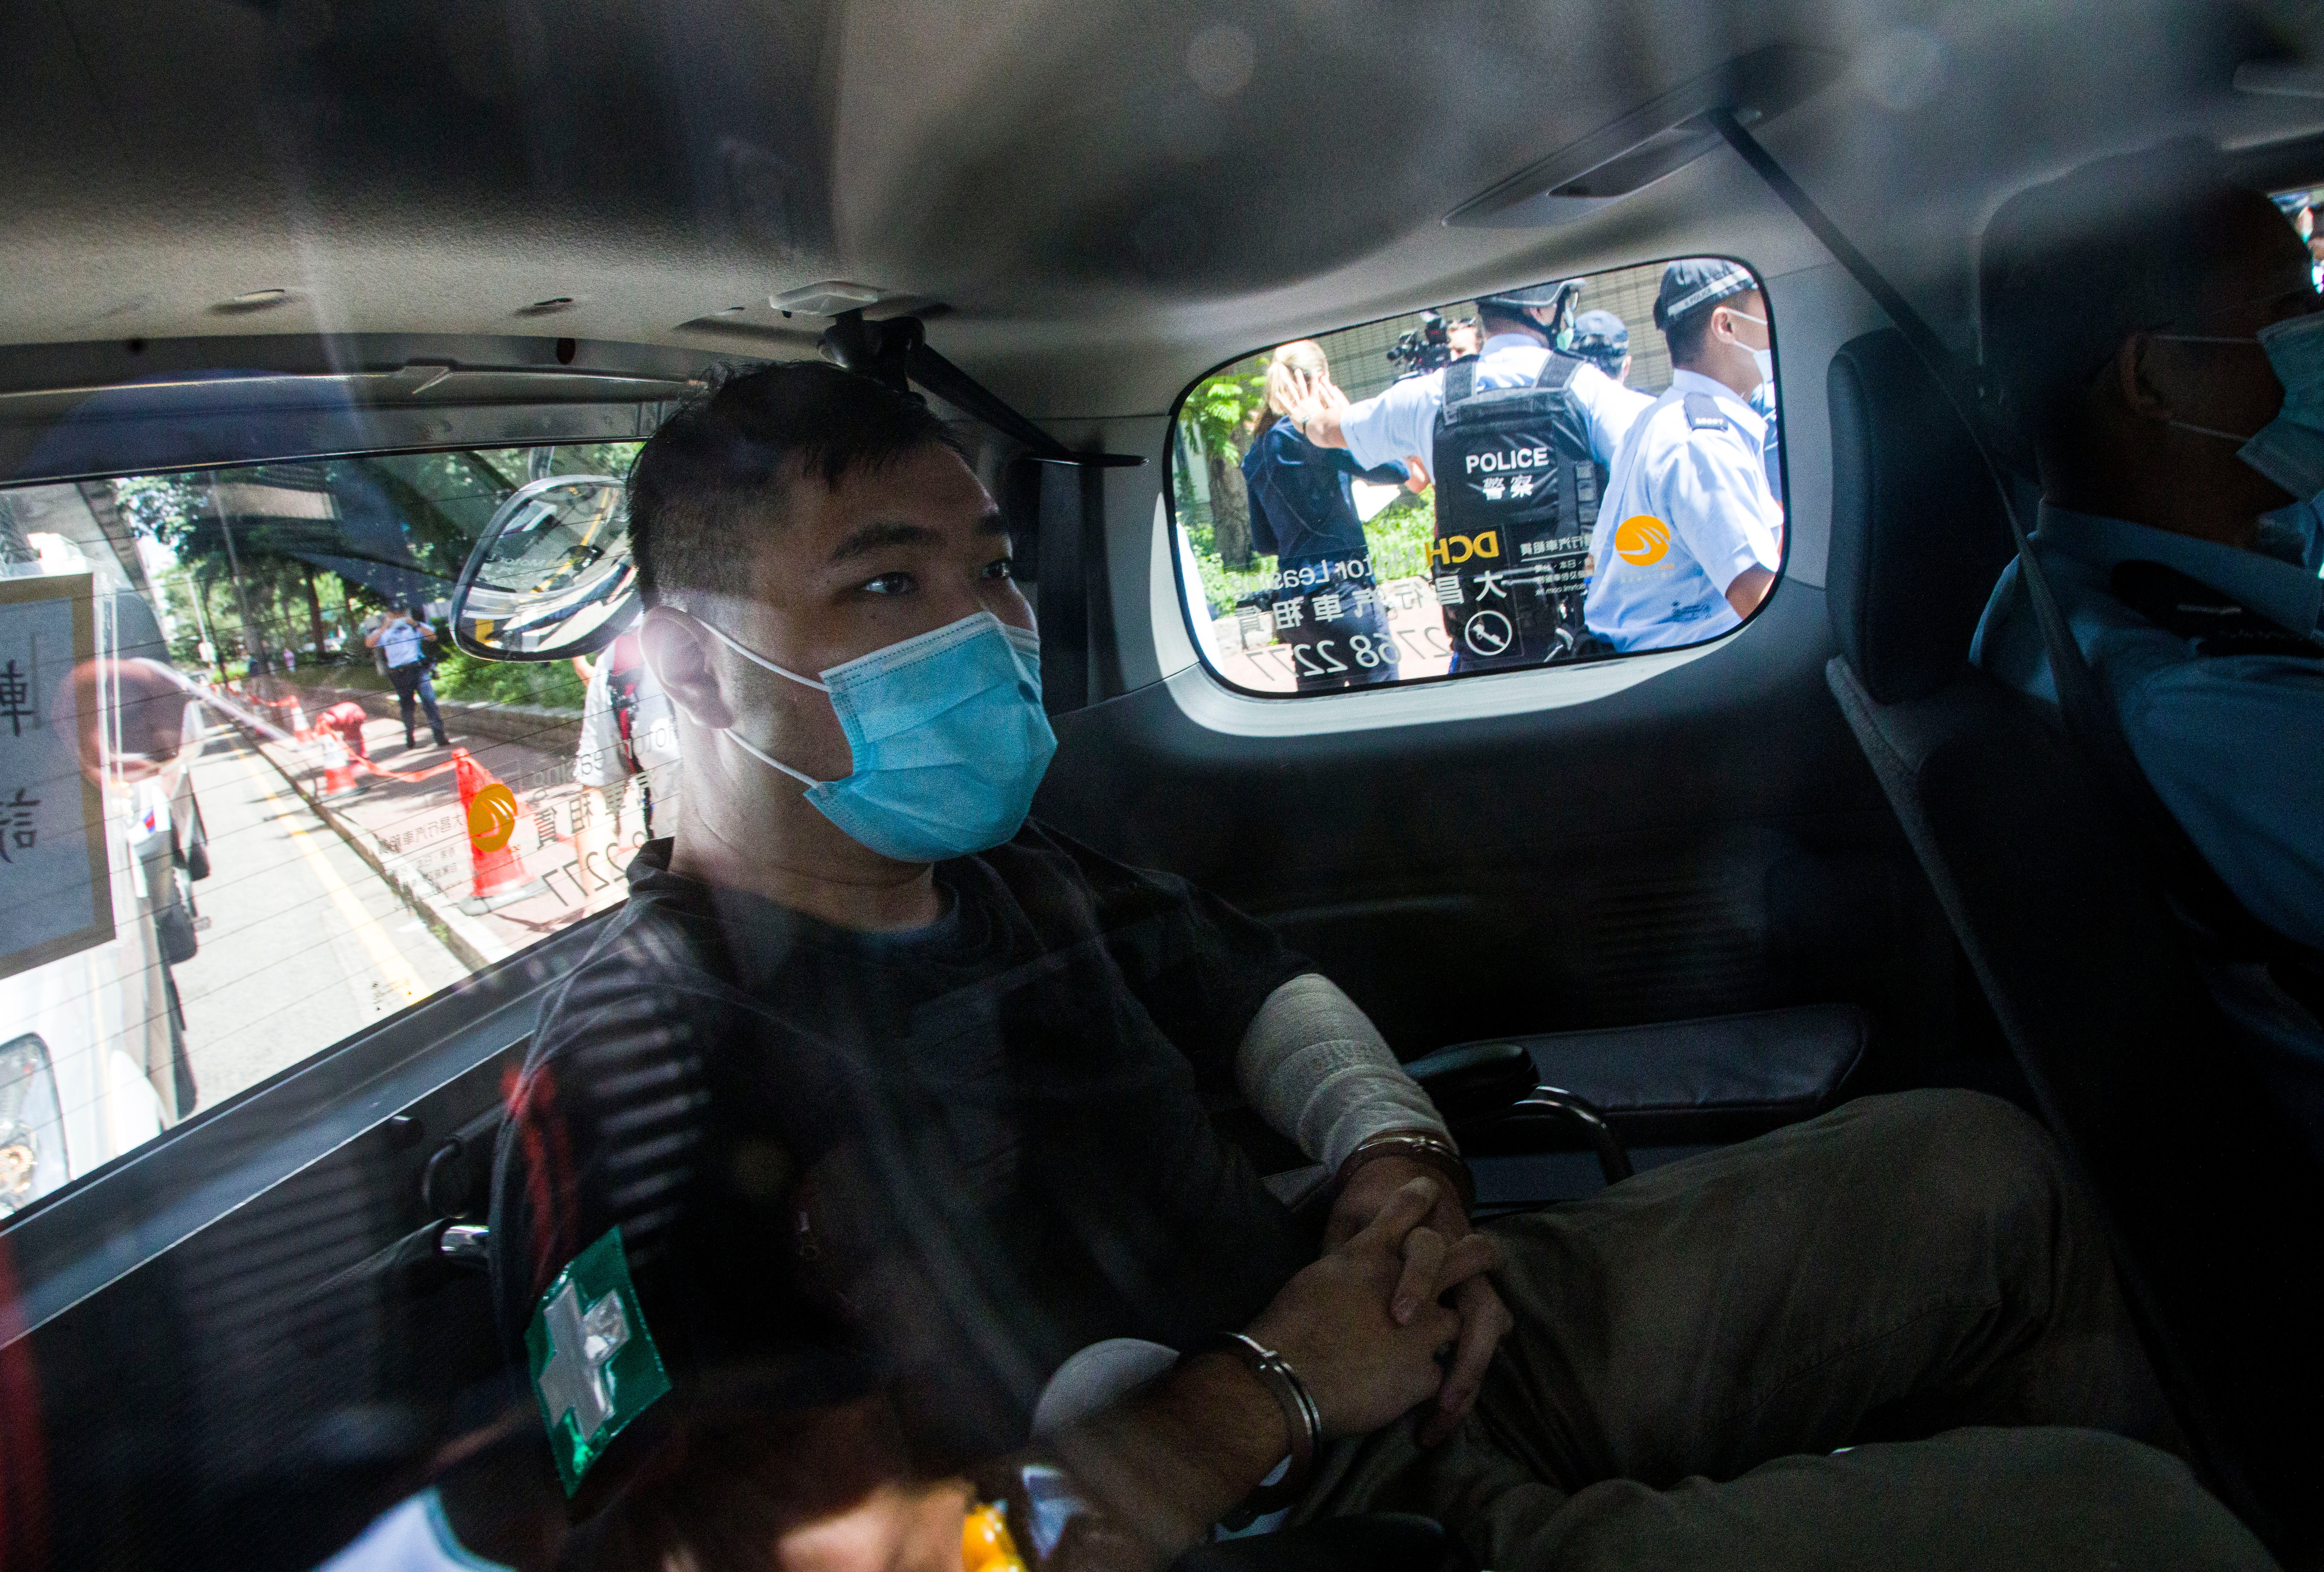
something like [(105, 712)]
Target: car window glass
[(1452, 493), (222, 848)]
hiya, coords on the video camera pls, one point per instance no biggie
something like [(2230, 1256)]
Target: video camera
[(1422, 349)]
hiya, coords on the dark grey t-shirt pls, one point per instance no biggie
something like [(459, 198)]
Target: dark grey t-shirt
[(955, 1155)]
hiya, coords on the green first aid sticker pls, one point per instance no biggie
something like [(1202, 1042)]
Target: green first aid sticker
[(594, 1366)]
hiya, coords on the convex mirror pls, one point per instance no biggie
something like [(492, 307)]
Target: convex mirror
[(551, 576)]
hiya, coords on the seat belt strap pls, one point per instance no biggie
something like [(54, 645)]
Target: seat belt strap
[(2187, 877)]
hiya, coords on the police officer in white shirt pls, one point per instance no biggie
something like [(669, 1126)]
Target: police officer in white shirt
[(1520, 459), (1689, 538), (1401, 422)]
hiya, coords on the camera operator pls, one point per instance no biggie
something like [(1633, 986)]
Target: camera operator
[(1518, 441)]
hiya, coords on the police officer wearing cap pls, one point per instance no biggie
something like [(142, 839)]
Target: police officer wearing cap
[(1690, 539), (1518, 441), (1603, 340)]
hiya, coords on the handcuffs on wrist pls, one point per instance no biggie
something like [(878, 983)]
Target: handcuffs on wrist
[(1416, 1146), (1049, 1507), (1301, 1417)]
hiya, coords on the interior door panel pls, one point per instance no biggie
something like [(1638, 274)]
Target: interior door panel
[(252, 1395), (1706, 842)]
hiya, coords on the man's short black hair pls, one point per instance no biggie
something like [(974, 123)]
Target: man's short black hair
[(1685, 333), (706, 482), (2071, 268)]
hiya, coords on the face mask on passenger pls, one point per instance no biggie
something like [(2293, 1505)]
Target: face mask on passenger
[(1765, 359), (2294, 533), (947, 734), (2290, 448)]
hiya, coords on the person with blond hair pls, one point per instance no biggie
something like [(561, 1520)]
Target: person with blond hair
[(1303, 513)]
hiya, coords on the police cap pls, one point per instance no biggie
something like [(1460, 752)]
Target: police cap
[(1696, 283), (1518, 302), (1601, 335)]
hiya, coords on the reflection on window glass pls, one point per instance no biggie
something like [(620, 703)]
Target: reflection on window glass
[(1586, 468), (251, 799)]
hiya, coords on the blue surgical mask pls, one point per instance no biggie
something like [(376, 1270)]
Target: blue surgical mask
[(2293, 534), (2290, 448), (947, 734)]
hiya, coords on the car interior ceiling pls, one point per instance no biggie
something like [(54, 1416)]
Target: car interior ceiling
[(255, 230)]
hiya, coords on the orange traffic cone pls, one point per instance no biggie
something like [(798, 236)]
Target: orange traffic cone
[(347, 719), (340, 777), (499, 874), (301, 730)]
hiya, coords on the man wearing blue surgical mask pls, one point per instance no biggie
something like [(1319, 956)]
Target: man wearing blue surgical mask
[(872, 1067), (2155, 335)]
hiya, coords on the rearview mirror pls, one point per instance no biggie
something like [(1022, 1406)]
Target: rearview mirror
[(551, 576)]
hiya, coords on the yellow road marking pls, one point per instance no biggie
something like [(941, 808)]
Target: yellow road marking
[(393, 966)]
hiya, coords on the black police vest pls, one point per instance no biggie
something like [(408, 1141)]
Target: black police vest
[(1516, 494)]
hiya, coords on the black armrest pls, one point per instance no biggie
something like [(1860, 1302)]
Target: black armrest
[(1479, 1081), (1494, 1086), (1708, 1081)]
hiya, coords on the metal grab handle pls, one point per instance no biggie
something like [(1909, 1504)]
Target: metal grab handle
[(1555, 1101), (464, 1242)]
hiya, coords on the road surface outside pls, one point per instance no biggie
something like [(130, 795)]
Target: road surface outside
[(306, 940), (302, 943)]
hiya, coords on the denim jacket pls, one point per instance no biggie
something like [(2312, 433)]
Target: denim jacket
[(1300, 503)]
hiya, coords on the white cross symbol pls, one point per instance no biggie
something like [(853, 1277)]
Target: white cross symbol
[(581, 1344)]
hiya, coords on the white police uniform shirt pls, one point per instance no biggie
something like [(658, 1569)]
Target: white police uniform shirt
[(1401, 422), (1687, 510), (401, 643)]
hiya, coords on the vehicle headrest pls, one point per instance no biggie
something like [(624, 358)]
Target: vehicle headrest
[(1918, 534)]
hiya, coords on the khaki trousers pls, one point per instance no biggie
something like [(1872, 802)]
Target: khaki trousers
[(1910, 1277)]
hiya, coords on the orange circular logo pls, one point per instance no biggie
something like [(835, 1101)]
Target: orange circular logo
[(492, 818), (1641, 540)]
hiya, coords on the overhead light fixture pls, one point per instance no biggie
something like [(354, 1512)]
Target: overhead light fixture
[(1657, 139), (830, 298), (252, 300)]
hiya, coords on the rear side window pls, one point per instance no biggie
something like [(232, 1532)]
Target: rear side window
[(1549, 475), (252, 799)]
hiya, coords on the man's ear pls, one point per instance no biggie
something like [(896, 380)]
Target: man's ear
[(2132, 380), (677, 652)]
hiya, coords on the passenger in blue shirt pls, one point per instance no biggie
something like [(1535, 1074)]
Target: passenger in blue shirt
[(2143, 318), (1303, 513)]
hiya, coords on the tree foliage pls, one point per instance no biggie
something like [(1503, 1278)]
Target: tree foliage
[(1223, 410)]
